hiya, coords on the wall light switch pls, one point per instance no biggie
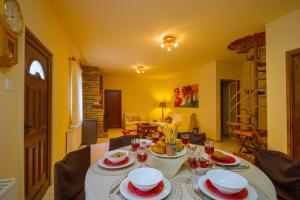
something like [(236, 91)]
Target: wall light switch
[(8, 85)]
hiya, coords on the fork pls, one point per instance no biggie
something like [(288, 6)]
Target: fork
[(233, 168), (199, 192), (117, 185), (118, 194)]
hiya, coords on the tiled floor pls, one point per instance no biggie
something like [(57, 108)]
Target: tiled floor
[(49, 194), (229, 145), (112, 133)]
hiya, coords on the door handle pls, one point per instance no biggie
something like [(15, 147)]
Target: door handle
[(27, 126)]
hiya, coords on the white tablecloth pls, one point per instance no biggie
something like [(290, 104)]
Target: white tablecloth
[(97, 186)]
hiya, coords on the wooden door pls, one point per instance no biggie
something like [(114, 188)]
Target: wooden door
[(37, 119), (113, 108), (293, 102)]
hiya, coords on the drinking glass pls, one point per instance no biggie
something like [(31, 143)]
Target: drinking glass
[(185, 139), (193, 159), (135, 143), (155, 137), (209, 149), (142, 155)]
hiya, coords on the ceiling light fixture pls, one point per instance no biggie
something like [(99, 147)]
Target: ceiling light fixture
[(140, 69), (169, 42)]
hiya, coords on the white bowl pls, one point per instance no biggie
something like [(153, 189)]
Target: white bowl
[(146, 178), (109, 157), (226, 181)]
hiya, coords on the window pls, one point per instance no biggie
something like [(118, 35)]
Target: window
[(76, 94), (36, 68)]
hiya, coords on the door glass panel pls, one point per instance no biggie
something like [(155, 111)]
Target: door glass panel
[(37, 69)]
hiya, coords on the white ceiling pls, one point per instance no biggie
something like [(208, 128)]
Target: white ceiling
[(117, 35)]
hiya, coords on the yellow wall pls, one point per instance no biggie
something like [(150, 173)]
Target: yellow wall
[(11, 122), (283, 34), (205, 77), (41, 20), (140, 94)]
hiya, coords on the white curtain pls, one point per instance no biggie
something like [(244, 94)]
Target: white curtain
[(74, 135), (76, 94)]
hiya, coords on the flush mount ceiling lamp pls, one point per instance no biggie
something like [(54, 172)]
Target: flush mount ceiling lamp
[(140, 69), (169, 42)]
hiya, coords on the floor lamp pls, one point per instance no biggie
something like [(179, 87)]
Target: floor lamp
[(162, 105)]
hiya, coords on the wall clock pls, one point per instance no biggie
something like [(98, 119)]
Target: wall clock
[(11, 26), (13, 16)]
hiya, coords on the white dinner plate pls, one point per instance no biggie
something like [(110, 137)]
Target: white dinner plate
[(178, 154), (129, 195), (237, 159), (103, 165), (252, 195)]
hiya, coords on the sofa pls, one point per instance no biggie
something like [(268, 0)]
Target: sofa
[(131, 119)]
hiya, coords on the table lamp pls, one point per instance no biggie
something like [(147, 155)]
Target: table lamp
[(162, 105)]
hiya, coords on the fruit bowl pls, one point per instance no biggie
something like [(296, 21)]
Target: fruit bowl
[(226, 181), (145, 178), (116, 156)]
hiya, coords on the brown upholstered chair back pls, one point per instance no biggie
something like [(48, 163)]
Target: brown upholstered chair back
[(283, 170), (69, 175), (116, 143), (198, 139)]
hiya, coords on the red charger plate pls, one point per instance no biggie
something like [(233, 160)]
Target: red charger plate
[(237, 196), (155, 191), (229, 160), (123, 162)]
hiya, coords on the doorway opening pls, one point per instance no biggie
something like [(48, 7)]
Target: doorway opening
[(113, 108), (293, 102), (37, 117), (228, 89)]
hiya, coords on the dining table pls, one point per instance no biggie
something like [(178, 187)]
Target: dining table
[(99, 182)]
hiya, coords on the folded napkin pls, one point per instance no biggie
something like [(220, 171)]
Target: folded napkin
[(168, 166)]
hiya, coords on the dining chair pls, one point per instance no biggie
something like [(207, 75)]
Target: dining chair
[(122, 141), (197, 139), (283, 171), (69, 175)]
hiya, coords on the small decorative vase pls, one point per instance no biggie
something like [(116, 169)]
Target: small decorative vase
[(171, 149)]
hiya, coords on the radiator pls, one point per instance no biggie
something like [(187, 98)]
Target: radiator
[(74, 138), (8, 189)]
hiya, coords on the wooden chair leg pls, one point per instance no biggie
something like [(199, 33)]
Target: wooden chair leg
[(243, 144)]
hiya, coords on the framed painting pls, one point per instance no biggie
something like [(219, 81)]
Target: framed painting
[(186, 96)]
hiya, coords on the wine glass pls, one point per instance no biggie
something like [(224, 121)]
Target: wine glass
[(135, 143), (209, 149), (142, 155), (185, 139)]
